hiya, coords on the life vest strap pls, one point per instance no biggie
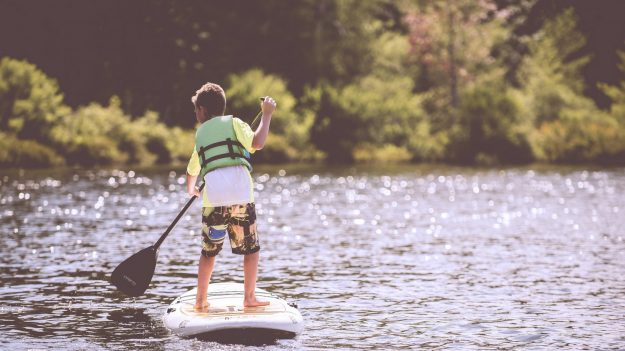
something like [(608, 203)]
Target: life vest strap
[(229, 142), (230, 149), (231, 153), (217, 157)]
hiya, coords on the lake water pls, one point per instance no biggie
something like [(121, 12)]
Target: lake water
[(386, 258)]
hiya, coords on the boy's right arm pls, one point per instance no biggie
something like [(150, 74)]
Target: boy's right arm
[(193, 169), (268, 106), (191, 188)]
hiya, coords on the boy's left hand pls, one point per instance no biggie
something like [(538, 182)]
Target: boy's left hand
[(268, 105)]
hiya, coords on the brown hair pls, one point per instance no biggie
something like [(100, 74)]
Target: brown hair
[(212, 97)]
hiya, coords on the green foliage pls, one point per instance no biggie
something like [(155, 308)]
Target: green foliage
[(386, 153), (489, 128), (289, 131), (452, 44), (181, 44), (584, 134), (617, 95), (99, 135), (335, 130), (551, 50), (587, 139), (451, 48), (344, 31), (88, 136), (26, 153), (551, 81), (373, 111), (568, 125), (377, 111), (368, 81), (30, 101), (166, 144)]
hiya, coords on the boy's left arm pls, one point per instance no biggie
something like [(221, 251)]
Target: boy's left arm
[(244, 134)]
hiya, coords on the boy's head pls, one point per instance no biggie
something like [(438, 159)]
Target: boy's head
[(209, 101)]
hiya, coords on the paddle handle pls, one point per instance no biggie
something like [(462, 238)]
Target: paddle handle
[(173, 224)]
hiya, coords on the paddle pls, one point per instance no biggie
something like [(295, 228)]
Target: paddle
[(133, 276), (258, 114)]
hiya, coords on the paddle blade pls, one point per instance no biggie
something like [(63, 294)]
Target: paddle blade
[(133, 276)]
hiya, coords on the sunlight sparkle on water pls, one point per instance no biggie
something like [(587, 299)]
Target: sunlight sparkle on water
[(486, 259)]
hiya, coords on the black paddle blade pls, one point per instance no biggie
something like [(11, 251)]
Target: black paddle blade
[(133, 276)]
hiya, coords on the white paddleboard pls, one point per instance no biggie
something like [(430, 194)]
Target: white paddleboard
[(227, 314)]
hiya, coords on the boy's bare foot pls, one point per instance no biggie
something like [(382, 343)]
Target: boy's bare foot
[(253, 302), (201, 307)]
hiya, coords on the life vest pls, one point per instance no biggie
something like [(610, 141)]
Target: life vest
[(217, 146)]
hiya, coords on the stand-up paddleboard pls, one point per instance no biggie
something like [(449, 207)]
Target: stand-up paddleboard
[(226, 314)]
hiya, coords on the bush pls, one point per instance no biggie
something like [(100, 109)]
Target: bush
[(381, 154), (489, 128), (377, 116), (180, 143), (30, 101), (568, 126), (617, 94), (426, 144), (334, 131), (373, 111), (276, 150), (574, 140), (98, 135), (26, 153), (90, 135), (163, 144)]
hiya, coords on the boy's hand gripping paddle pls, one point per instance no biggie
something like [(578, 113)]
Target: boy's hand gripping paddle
[(133, 276)]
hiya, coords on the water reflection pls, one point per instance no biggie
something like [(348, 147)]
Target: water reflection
[(409, 257)]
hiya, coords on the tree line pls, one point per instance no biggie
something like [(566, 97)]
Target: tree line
[(469, 82)]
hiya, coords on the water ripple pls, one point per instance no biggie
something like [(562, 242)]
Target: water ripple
[(394, 258)]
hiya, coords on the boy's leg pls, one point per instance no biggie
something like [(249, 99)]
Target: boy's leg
[(213, 234), (205, 270), (250, 270), (244, 241)]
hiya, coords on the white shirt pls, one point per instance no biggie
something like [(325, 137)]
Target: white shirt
[(228, 186)]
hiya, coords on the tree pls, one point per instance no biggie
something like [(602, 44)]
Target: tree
[(569, 127), (490, 127), (616, 93), (452, 42), (377, 113), (30, 101)]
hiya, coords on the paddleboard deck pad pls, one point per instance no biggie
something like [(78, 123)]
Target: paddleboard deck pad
[(227, 316)]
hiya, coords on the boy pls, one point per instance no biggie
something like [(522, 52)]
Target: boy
[(222, 147)]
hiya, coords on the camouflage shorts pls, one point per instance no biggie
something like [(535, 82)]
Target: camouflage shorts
[(239, 221)]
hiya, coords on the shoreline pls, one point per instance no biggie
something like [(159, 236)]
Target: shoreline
[(301, 167)]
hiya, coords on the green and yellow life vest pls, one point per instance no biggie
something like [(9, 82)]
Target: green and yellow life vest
[(217, 146)]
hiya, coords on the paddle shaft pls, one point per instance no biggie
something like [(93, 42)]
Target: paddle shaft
[(173, 224), (257, 115), (255, 119)]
